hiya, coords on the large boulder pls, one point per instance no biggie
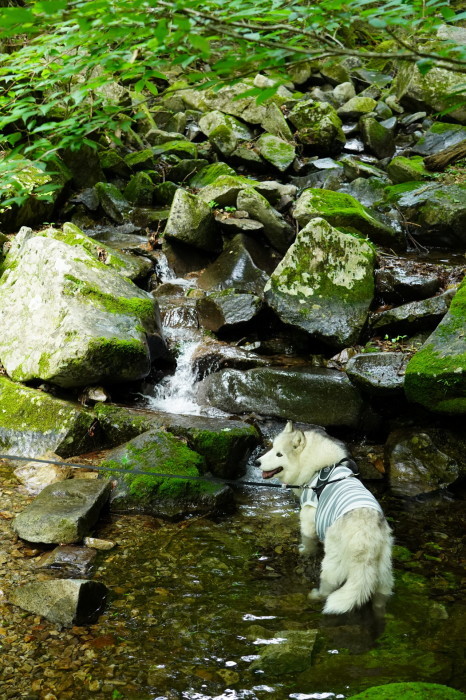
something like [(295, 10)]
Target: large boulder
[(164, 495), (434, 91), (436, 374), (344, 211), (68, 318), (64, 512), (324, 284), (440, 136), (312, 395), (318, 126), (191, 222), (33, 422)]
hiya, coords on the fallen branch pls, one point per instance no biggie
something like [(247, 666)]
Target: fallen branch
[(439, 161)]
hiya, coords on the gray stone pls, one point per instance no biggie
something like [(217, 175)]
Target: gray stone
[(344, 92), (224, 310), (191, 222), (36, 475), (378, 373), (275, 123), (276, 229), (421, 461), (63, 513), (276, 151), (356, 107), (112, 202), (65, 602), (324, 284), (430, 91), (312, 395), (210, 121), (440, 136), (378, 138), (318, 126), (414, 316), (291, 653), (404, 284), (213, 355), (33, 423), (69, 560), (81, 324), (440, 214), (241, 266)]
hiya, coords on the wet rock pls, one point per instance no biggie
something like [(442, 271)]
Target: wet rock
[(36, 475), (98, 326), (403, 284), (183, 259), (318, 126), (377, 137), (178, 311), (63, 513), (276, 229), (276, 151), (436, 375), (402, 169), (191, 222), (213, 355), (289, 652), (369, 191), (241, 267), (378, 373), (33, 422), (234, 225), (112, 202), (98, 544), (421, 461), (313, 395), (342, 210), (159, 452), (64, 602), (324, 284), (440, 136), (71, 561), (224, 310), (414, 316)]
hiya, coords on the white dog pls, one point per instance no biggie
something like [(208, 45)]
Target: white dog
[(337, 509)]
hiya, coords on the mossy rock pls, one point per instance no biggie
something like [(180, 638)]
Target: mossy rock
[(276, 151), (343, 211), (164, 192), (377, 137), (356, 107), (191, 222), (410, 691), (402, 169), (113, 202), (140, 160), (436, 375), (224, 140), (225, 189), (209, 174), (182, 149), (33, 422), (441, 135), (210, 121), (319, 126), (159, 452), (139, 189)]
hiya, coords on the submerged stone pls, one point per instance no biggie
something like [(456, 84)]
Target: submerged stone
[(324, 284), (320, 396), (65, 602), (291, 653), (63, 513), (436, 374)]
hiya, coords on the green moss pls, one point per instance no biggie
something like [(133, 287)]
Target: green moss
[(210, 173), (394, 192), (410, 691)]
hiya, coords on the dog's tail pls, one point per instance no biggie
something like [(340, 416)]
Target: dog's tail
[(368, 572)]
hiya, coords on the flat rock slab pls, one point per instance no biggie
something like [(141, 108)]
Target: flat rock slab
[(69, 560), (63, 513), (378, 373), (66, 602)]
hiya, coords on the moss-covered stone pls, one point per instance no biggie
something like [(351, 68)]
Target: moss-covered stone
[(209, 174), (164, 192), (113, 163), (139, 189), (275, 123), (343, 211), (224, 190), (182, 149), (318, 126), (436, 374), (377, 137), (191, 222), (224, 140), (402, 169), (33, 422), (210, 121), (410, 691), (112, 202), (276, 151), (140, 160), (356, 107), (159, 452)]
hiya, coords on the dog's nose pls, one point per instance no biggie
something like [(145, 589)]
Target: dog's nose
[(257, 463)]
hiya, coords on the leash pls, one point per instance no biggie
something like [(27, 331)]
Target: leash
[(140, 472)]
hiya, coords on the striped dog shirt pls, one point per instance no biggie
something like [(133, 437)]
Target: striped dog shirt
[(337, 498)]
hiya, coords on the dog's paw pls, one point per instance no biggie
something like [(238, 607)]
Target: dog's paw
[(307, 550), (315, 594)]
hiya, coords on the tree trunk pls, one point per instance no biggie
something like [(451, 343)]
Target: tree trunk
[(439, 161)]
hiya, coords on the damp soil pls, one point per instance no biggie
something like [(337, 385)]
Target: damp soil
[(192, 604)]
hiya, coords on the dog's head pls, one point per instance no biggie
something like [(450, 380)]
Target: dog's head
[(283, 460)]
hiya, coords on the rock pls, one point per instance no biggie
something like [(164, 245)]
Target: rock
[(342, 210), (209, 174), (436, 374), (65, 602), (276, 151), (355, 168), (318, 126), (98, 544), (214, 355), (356, 107), (36, 475), (191, 222), (212, 120), (225, 310), (368, 191), (233, 224), (324, 284), (404, 284), (161, 453), (224, 140), (410, 691), (180, 148), (432, 91), (140, 189), (313, 395), (86, 325), (402, 169), (113, 164), (414, 316), (225, 189), (440, 136), (275, 123), (421, 461), (70, 561), (33, 422), (178, 312), (186, 169), (378, 373), (157, 136), (63, 513), (377, 137), (344, 92), (241, 266), (290, 652), (276, 229), (112, 202)]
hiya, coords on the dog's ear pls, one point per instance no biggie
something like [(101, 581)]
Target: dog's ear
[(299, 440), (288, 427)]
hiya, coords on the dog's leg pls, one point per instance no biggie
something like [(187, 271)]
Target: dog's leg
[(309, 540), (385, 575), (330, 578)]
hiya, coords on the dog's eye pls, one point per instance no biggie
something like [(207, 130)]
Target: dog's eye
[(279, 454)]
